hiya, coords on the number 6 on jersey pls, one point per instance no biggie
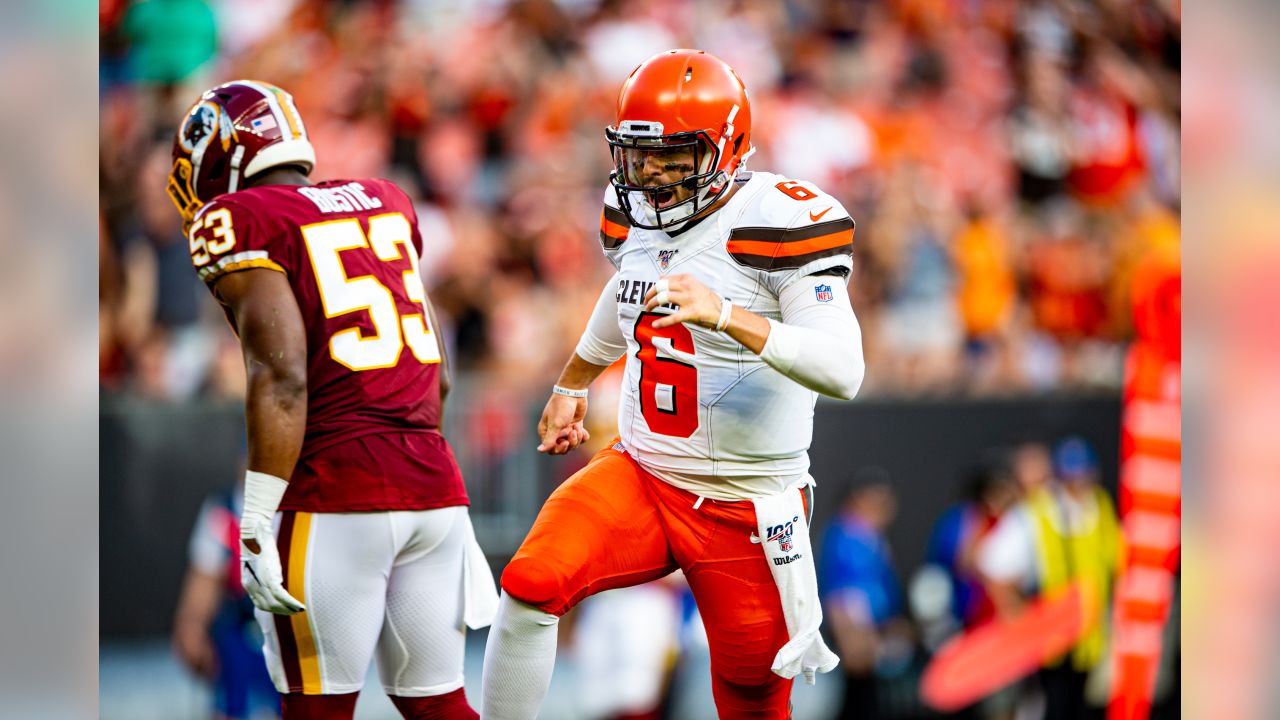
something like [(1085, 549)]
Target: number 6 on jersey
[(668, 387), (390, 239)]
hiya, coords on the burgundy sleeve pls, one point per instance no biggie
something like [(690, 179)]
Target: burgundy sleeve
[(227, 236)]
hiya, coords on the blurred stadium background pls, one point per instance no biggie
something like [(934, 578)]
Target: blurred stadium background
[(1010, 165)]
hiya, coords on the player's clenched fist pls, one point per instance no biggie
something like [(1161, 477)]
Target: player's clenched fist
[(695, 302), (560, 428)]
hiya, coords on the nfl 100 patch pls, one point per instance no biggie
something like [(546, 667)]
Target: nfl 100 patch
[(665, 256)]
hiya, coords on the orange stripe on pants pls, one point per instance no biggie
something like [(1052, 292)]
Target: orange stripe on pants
[(295, 583)]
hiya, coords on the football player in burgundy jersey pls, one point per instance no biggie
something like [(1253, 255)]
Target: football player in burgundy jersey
[(356, 538)]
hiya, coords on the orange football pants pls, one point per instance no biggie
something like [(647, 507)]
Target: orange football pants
[(614, 525)]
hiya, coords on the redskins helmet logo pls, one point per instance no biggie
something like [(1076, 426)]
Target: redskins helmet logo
[(199, 127), (204, 121)]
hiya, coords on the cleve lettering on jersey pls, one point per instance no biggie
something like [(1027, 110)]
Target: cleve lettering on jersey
[(632, 292)]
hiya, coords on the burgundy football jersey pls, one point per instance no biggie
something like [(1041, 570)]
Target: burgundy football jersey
[(350, 249)]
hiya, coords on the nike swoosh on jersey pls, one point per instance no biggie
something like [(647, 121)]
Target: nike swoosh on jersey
[(818, 217)]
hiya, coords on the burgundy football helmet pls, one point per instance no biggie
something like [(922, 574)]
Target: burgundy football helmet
[(233, 132)]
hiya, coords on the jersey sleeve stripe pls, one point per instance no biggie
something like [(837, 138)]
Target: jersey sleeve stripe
[(614, 227), (771, 249), (785, 235), (617, 217), (771, 263), (613, 230), (239, 261), (793, 248)]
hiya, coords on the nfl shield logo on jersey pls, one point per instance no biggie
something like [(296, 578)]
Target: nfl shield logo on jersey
[(664, 257), (823, 292)]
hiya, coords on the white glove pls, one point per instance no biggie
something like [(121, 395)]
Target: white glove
[(260, 571)]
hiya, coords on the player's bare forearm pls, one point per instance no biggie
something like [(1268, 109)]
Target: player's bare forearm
[(855, 641), (748, 328), (274, 344), (198, 604), (199, 599), (446, 382), (578, 373), (275, 417)]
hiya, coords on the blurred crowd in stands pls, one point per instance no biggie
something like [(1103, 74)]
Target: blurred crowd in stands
[(1007, 164)]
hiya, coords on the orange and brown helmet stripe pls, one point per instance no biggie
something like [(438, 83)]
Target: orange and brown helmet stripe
[(783, 249)]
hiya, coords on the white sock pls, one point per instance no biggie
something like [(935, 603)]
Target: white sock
[(518, 660)]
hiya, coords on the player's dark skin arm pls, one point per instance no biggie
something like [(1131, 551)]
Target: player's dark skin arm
[(446, 382), (274, 343)]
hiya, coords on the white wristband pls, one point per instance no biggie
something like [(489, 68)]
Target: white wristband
[(726, 311), (569, 392), (262, 494)]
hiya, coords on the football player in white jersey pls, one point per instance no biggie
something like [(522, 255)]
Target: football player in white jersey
[(730, 303)]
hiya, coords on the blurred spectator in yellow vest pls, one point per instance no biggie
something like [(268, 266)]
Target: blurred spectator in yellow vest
[(1063, 532)]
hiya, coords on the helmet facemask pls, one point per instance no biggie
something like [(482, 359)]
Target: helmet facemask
[(674, 176), (183, 193)]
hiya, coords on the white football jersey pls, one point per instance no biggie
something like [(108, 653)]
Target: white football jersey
[(697, 408)]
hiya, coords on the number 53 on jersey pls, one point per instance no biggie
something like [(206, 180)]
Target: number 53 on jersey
[(390, 239), (334, 248)]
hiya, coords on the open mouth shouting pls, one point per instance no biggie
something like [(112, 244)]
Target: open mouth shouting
[(662, 199)]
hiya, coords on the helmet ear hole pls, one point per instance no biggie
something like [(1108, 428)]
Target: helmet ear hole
[(737, 143)]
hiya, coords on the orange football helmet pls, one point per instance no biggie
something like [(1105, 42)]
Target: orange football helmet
[(679, 100)]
